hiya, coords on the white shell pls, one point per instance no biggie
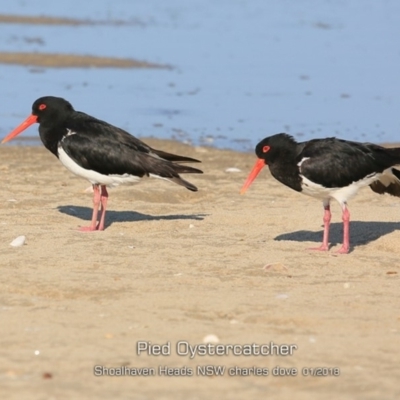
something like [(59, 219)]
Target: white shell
[(18, 241), (211, 339), (233, 169)]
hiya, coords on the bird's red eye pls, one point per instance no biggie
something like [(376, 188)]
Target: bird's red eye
[(265, 149), (42, 106)]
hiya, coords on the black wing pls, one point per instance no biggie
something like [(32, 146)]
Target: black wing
[(336, 163), (99, 146), (96, 127)]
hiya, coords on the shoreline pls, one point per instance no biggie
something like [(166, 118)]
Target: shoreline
[(34, 141)]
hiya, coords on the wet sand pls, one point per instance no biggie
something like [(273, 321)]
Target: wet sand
[(62, 21), (51, 60), (174, 266)]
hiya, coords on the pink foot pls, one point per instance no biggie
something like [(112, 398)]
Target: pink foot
[(320, 248), (87, 229), (343, 250)]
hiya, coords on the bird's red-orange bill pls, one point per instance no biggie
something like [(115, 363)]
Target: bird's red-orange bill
[(20, 128), (259, 165)]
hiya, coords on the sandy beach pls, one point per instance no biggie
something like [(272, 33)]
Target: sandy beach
[(174, 266)]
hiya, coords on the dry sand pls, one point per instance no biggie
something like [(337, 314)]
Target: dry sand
[(174, 265)]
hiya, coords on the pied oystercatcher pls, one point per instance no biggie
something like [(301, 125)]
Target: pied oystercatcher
[(103, 154), (329, 169)]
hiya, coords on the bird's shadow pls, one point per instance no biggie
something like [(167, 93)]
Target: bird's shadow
[(361, 232), (85, 213)]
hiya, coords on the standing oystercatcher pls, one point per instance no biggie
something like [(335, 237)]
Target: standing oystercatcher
[(103, 154), (329, 169)]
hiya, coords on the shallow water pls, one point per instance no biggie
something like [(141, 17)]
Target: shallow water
[(242, 70)]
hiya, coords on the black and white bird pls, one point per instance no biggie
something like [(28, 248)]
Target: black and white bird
[(105, 155), (329, 169)]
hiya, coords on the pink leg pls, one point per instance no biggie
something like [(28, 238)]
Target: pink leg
[(103, 199), (346, 231), (96, 202), (327, 220)]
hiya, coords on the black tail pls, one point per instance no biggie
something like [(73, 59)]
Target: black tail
[(184, 183), (184, 169), (173, 157), (165, 167)]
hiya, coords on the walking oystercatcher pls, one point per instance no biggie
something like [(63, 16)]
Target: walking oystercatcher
[(329, 169), (103, 154)]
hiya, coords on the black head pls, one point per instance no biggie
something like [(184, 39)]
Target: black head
[(51, 108), (48, 111), (268, 150), (271, 146)]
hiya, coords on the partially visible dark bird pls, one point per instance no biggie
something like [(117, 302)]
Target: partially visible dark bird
[(329, 169), (103, 154)]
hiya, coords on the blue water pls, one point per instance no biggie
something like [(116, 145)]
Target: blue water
[(242, 69)]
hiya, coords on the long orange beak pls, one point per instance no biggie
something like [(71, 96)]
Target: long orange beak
[(259, 165), (26, 124)]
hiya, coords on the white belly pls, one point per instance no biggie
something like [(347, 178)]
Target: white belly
[(95, 178), (339, 194)]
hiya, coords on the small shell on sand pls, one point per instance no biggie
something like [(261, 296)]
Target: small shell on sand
[(18, 241), (211, 339), (275, 267), (233, 169)]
